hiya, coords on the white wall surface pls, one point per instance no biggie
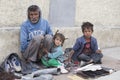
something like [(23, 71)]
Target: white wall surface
[(13, 12), (99, 12)]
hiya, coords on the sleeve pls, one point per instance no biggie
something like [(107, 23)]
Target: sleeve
[(76, 45), (96, 45), (55, 54), (23, 38), (49, 30)]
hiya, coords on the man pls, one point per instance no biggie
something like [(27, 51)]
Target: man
[(34, 34)]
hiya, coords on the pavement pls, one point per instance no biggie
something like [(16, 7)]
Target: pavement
[(111, 59), (113, 53)]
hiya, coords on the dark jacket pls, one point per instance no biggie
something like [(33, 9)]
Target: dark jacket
[(79, 45)]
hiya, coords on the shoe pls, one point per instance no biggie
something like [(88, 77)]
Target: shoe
[(83, 63), (62, 69), (16, 64), (8, 67), (99, 62)]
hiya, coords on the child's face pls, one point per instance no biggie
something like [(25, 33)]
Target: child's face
[(58, 41), (87, 33)]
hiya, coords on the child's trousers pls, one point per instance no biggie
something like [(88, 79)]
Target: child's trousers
[(96, 57)]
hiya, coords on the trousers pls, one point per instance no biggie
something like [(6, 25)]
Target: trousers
[(35, 47)]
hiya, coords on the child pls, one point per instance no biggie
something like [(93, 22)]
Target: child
[(55, 57), (86, 48)]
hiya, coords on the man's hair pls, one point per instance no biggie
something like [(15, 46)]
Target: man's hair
[(33, 8), (62, 37), (87, 25)]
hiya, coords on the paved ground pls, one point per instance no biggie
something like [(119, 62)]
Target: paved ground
[(113, 53), (111, 59)]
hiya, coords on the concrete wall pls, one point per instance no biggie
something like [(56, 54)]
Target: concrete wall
[(62, 12), (9, 41), (100, 12), (104, 14), (13, 12)]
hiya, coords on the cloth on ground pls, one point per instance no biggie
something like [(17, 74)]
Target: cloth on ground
[(41, 77), (93, 71), (29, 67), (44, 74)]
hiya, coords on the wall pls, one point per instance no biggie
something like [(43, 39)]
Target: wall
[(62, 13), (100, 12), (103, 14), (13, 12)]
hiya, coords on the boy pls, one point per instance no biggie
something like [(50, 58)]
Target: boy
[(86, 47)]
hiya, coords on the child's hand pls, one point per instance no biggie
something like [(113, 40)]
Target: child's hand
[(68, 60), (45, 50), (98, 51)]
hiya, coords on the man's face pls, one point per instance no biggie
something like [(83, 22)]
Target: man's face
[(34, 16)]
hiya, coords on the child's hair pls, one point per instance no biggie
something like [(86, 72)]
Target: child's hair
[(62, 37), (87, 25)]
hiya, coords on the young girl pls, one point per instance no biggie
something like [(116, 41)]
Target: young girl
[(54, 57)]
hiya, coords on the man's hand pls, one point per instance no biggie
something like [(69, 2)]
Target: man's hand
[(98, 51)]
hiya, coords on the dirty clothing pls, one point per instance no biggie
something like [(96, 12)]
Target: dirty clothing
[(54, 58), (34, 49), (96, 57), (79, 46), (29, 30)]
